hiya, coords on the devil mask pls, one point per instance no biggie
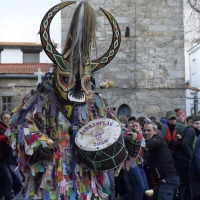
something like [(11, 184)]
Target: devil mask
[(73, 66)]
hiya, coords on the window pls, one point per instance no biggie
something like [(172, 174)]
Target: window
[(6, 103), (31, 57), (194, 67)]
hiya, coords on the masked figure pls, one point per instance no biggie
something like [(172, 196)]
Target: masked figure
[(43, 127)]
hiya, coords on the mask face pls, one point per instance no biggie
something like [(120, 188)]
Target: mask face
[(74, 67)]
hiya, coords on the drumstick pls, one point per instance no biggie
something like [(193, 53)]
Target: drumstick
[(118, 170), (57, 142)]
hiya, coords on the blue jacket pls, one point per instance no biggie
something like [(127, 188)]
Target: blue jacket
[(195, 162)]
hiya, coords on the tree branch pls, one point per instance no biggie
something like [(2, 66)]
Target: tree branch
[(193, 6)]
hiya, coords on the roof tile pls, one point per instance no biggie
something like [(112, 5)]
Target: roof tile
[(24, 68)]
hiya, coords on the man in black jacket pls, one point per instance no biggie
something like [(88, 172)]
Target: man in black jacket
[(184, 155), (161, 164), (195, 171)]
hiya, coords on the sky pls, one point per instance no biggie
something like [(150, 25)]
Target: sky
[(20, 20)]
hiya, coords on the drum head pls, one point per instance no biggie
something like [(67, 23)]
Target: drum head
[(98, 134)]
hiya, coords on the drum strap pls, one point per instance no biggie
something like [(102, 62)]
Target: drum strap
[(74, 131)]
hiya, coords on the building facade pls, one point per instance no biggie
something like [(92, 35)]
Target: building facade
[(19, 66), (193, 95), (148, 70)]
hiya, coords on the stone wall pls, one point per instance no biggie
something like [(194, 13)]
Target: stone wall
[(148, 69), (22, 88)]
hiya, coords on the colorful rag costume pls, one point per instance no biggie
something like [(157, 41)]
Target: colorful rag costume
[(63, 103)]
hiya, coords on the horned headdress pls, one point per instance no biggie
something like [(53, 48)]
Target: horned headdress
[(64, 108), (74, 66)]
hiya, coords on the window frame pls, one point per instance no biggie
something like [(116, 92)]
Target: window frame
[(7, 105)]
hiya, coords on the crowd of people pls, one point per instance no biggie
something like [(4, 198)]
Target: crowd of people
[(166, 167)]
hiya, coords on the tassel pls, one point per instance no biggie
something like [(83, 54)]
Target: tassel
[(98, 101), (83, 108)]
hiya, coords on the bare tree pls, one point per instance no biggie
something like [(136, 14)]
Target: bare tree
[(191, 23), (195, 5)]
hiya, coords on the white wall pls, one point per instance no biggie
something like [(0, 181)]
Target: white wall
[(194, 66), (11, 56), (16, 56), (194, 62), (44, 58)]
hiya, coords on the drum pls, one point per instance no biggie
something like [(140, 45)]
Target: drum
[(101, 144)]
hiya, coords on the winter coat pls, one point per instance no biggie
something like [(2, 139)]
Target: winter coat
[(159, 158), (195, 161), (188, 142), (180, 127), (3, 143)]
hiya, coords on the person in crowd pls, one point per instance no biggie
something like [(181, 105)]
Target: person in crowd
[(160, 163), (162, 127), (189, 120), (152, 118), (170, 137), (137, 172), (123, 186), (180, 122), (159, 128), (131, 119), (182, 157), (163, 120), (195, 171), (142, 120), (198, 114), (129, 182), (5, 175), (171, 122), (11, 160), (124, 123)]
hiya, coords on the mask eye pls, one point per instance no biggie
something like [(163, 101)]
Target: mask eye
[(65, 79), (87, 82)]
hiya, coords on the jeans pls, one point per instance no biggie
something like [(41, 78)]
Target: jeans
[(166, 188), (6, 185), (112, 184), (138, 179), (182, 167), (124, 186), (195, 186)]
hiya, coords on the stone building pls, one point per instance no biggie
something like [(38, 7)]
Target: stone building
[(19, 64), (16, 81), (148, 69)]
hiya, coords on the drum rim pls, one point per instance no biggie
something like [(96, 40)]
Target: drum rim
[(96, 120)]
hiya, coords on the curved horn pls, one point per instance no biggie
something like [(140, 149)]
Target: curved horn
[(114, 46), (47, 44)]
